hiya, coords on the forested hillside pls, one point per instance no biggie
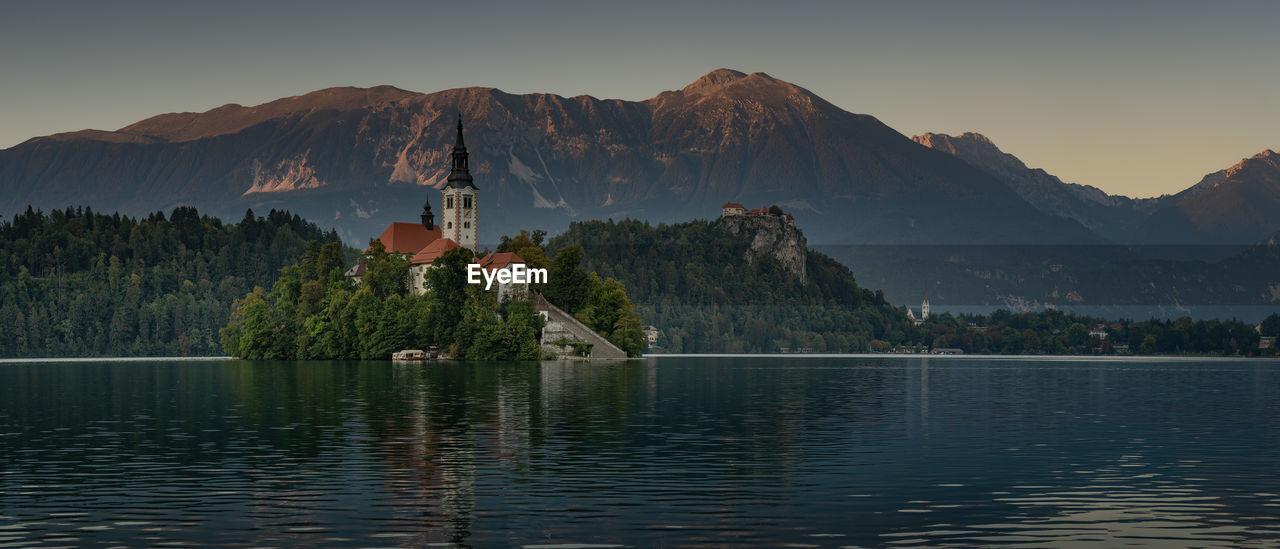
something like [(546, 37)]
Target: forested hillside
[(78, 283), (695, 283)]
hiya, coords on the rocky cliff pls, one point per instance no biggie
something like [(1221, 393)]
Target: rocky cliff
[(771, 236)]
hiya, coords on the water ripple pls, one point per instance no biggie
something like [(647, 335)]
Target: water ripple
[(687, 452)]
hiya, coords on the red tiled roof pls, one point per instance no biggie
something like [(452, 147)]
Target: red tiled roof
[(732, 205), (499, 261), (407, 238), (359, 268), (433, 251)]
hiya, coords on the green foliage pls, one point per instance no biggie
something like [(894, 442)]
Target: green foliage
[(528, 246), (611, 315), (1056, 332), (693, 282), (1270, 326), (602, 306), (568, 285), (77, 283), (314, 312), (446, 283)]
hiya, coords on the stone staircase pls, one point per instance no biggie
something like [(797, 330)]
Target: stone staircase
[(562, 327)]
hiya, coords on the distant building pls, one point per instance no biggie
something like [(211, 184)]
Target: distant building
[(421, 262), (1266, 343), (924, 312), (1099, 331), (356, 272), (651, 335), (730, 209)]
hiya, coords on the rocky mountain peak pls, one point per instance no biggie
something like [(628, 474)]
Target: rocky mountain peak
[(1267, 160), (1259, 167), (713, 81), (975, 148), (722, 82), (971, 141)]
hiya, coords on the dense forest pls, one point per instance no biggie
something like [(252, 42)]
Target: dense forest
[(692, 281), (1056, 332), (78, 283), (315, 312)]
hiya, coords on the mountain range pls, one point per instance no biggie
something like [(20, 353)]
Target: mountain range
[(1240, 204), (357, 159)]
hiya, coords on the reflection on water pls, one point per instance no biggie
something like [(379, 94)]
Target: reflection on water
[(676, 451)]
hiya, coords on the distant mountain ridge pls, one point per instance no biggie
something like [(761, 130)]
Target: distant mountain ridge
[(1237, 205), (360, 158)]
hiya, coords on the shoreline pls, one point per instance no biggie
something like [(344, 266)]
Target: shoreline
[(118, 359), (1044, 358)]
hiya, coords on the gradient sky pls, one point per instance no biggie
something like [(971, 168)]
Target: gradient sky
[(1135, 98)]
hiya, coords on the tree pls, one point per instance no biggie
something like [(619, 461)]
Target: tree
[(386, 274), (446, 285), (568, 285), (1148, 346), (480, 334), (612, 315), (523, 328)]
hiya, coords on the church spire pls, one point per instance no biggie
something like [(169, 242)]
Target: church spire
[(460, 176), (460, 144), (428, 219)]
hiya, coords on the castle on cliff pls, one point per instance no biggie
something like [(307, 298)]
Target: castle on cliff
[(730, 209)]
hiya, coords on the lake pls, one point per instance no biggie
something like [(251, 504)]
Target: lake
[(680, 451)]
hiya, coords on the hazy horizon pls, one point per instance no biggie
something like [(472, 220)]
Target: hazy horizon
[(1139, 99)]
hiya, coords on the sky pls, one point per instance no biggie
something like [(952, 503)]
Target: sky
[(1136, 98)]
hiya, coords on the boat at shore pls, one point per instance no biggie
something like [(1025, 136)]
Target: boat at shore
[(411, 355)]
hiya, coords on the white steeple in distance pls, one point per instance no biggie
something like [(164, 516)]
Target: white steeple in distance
[(460, 218)]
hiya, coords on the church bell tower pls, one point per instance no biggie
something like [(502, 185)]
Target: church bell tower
[(459, 220), (428, 219)]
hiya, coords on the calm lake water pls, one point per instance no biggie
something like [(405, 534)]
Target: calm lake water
[(705, 451)]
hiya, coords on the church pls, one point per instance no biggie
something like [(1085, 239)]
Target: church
[(424, 242)]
